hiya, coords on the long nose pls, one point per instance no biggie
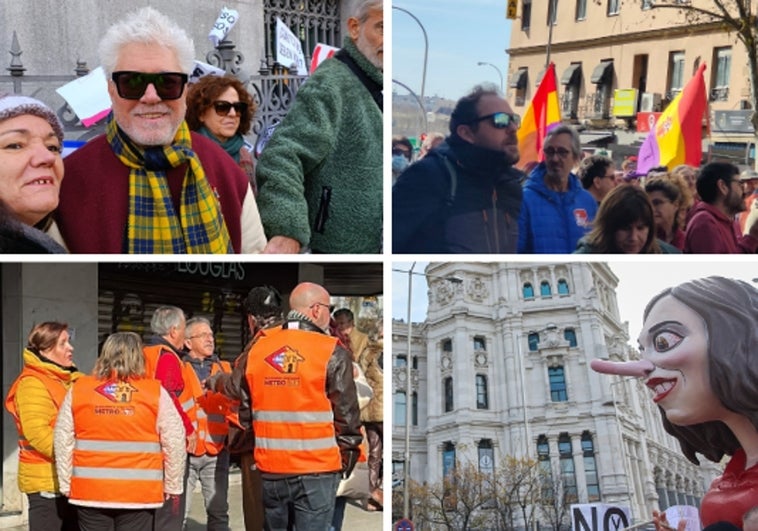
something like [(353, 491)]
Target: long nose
[(639, 369)]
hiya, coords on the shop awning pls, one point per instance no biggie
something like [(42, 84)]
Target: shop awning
[(540, 75), (596, 137), (518, 79), (603, 73), (572, 75)]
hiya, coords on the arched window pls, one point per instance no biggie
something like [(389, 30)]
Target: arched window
[(414, 408), (557, 378), (482, 401), (545, 290), (590, 468), (568, 473), (528, 291), (398, 411), (480, 343), (563, 287), (486, 457), (401, 360), (570, 335), (447, 345), (448, 394), (543, 458), (534, 341)]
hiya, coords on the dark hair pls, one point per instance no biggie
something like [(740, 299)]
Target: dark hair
[(201, 95), (402, 141), (729, 309), (710, 175), (624, 205), (465, 110), (45, 335), (263, 302), (345, 311), (591, 167)]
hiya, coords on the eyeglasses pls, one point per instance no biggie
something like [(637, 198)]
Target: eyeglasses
[(132, 85), (500, 120), (561, 152), (319, 304), (222, 107), (204, 335)]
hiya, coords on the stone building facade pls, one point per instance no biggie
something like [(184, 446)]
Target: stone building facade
[(500, 367)]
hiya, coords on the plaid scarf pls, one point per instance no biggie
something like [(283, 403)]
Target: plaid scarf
[(153, 225)]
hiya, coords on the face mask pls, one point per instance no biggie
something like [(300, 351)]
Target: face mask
[(399, 163)]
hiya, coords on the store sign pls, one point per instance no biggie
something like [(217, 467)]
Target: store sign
[(646, 121), (732, 122)]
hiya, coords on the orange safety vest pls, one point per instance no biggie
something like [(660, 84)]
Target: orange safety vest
[(186, 398), (212, 411), (27, 453), (117, 452), (292, 416)]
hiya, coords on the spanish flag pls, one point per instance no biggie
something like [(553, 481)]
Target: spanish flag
[(542, 115), (677, 137)]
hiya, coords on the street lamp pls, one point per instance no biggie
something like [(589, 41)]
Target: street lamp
[(482, 63), (408, 389), (426, 48)]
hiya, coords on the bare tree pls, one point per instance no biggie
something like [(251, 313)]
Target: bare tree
[(555, 500), (516, 491)]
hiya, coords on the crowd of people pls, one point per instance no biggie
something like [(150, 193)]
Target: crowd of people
[(173, 174), (466, 196), (300, 410)]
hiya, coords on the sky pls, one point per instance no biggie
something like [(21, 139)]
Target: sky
[(460, 34), (638, 283)]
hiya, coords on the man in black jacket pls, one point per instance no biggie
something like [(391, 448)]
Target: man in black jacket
[(465, 195)]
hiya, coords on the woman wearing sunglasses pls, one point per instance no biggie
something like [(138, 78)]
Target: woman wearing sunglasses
[(221, 109)]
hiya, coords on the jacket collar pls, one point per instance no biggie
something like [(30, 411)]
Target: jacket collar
[(34, 361)]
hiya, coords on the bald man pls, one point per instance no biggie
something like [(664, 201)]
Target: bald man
[(306, 419)]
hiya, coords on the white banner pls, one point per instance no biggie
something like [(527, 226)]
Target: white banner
[(289, 51), (203, 69), (599, 517), (88, 96), (224, 23), (320, 53)]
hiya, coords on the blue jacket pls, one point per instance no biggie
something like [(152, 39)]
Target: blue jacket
[(553, 222)]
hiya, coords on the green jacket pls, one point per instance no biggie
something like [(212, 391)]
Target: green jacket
[(331, 137)]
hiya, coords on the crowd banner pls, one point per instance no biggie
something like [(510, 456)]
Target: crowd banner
[(542, 115), (223, 25), (321, 53), (88, 96), (677, 136)]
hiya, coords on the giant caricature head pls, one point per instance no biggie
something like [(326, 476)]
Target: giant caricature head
[(696, 346)]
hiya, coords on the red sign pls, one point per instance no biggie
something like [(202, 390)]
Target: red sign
[(646, 121)]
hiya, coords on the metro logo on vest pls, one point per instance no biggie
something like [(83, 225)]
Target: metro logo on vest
[(116, 391), (285, 360)]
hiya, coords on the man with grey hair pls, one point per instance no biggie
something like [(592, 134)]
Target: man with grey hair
[(320, 175), (163, 362), (148, 185), (556, 211), (209, 462)]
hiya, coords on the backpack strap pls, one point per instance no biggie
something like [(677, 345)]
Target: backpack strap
[(374, 88)]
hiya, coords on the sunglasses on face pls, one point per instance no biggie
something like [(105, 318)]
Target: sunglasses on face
[(132, 85), (222, 108), (501, 120), (561, 152)]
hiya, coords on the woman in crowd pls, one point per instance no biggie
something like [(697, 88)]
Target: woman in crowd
[(119, 442), (31, 171), (667, 195), (697, 345), (624, 225), (221, 109), (34, 400)]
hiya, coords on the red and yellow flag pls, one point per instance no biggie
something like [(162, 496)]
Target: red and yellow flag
[(542, 115)]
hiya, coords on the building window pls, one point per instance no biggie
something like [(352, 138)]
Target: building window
[(568, 474), (528, 291), (447, 345), (401, 360), (570, 335), (526, 14), (723, 60), (482, 401), (534, 341), (545, 290), (448, 473), (399, 409), (486, 457), (581, 9), (590, 468), (414, 408), (613, 7), (563, 287), (448, 385), (480, 343), (552, 10), (676, 73), (557, 378), (543, 458)]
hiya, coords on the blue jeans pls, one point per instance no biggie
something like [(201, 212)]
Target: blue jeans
[(339, 513), (213, 473), (309, 497)]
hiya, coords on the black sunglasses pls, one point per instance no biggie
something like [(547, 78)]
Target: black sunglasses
[(132, 85), (222, 107), (500, 120)]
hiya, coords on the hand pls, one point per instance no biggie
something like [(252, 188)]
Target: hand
[(282, 245), (174, 500), (349, 460), (661, 522), (751, 223), (192, 442)]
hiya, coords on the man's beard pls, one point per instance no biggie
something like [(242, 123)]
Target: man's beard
[(365, 48)]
